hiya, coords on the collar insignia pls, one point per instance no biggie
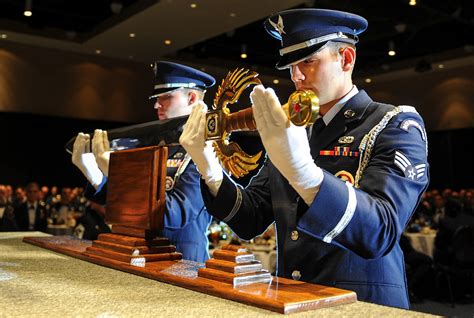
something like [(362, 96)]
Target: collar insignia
[(346, 139)]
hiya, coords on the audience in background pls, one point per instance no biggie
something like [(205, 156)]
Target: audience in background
[(92, 222), (7, 212), (31, 215)]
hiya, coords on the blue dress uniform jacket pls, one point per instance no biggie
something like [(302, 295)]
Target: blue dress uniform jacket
[(186, 218), (349, 236)]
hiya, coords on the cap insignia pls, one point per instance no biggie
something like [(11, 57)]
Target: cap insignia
[(278, 26)]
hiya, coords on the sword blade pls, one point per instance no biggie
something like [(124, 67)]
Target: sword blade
[(153, 133)]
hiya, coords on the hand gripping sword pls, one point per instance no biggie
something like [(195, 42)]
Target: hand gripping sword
[(302, 109)]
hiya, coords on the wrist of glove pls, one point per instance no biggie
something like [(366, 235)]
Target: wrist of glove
[(85, 160), (101, 150), (286, 144), (202, 153)]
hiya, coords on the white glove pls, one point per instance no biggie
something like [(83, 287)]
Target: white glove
[(202, 153), (286, 144), (101, 150), (85, 161)]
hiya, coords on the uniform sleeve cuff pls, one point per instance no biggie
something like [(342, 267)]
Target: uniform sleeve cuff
[(331, 210), (226, 203)]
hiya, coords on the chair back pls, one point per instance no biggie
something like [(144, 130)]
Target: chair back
[(463, 246)]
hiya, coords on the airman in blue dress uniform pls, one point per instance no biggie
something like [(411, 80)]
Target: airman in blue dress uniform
[(341, 198), (176, 88)]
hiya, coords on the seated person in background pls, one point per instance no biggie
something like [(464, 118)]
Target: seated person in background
[(62, 211), (7, 212), (91, 223), (420, 275), (454, 217), (32, 214), (338, 217), (176, 88)]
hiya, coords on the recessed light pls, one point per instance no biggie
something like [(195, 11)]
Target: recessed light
[(276, 81), (168, 42), (368, 80), (412, 2), (193, 5), (243, 55), (98, 51), (3, 36), (440, 65), (132, 35), (27, 13)]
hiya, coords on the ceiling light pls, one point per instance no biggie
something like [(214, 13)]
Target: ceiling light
[(3, 36), (193, 5), (98, 51), (243, 51), (168, 42), (412, 2), (28, 8), (232, 15), (440, 65), (132, 35), (368, 80), (391, 48), (276, 81)]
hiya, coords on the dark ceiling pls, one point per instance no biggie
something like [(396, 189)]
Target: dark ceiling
[(431, 28), (418, 34)]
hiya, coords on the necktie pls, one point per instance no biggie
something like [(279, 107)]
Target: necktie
[(318, 126)]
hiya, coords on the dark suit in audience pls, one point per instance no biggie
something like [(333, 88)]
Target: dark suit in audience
[(7, 212), (22, 217), (7, 218)]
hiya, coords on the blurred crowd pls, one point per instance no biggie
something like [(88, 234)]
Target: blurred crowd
[(437, 206), (442, 214), (41, 208)]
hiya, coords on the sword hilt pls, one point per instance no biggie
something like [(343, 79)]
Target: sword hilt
[(302, 109)]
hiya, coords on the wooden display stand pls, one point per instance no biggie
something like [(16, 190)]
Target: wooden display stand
[(235, 265), (135, 208)]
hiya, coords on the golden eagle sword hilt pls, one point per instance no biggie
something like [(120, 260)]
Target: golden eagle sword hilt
[(302, 109)]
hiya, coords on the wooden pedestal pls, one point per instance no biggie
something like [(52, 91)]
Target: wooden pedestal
[(235, 265), (133, 250)]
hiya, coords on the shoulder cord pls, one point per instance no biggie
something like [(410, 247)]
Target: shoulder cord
[(368, 142)]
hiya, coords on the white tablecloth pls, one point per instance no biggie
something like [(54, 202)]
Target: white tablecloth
[(423, 243)]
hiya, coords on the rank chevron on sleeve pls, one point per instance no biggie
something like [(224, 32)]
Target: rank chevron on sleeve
[(409, 170)]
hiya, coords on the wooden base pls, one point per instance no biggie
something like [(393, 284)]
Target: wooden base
[(281, 295), (133, 250), (236, 266)]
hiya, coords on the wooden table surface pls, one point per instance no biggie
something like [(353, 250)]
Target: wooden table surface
[(41, 283)]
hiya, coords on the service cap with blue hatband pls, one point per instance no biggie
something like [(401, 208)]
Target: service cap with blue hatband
[(170, 76), (303, 32)]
